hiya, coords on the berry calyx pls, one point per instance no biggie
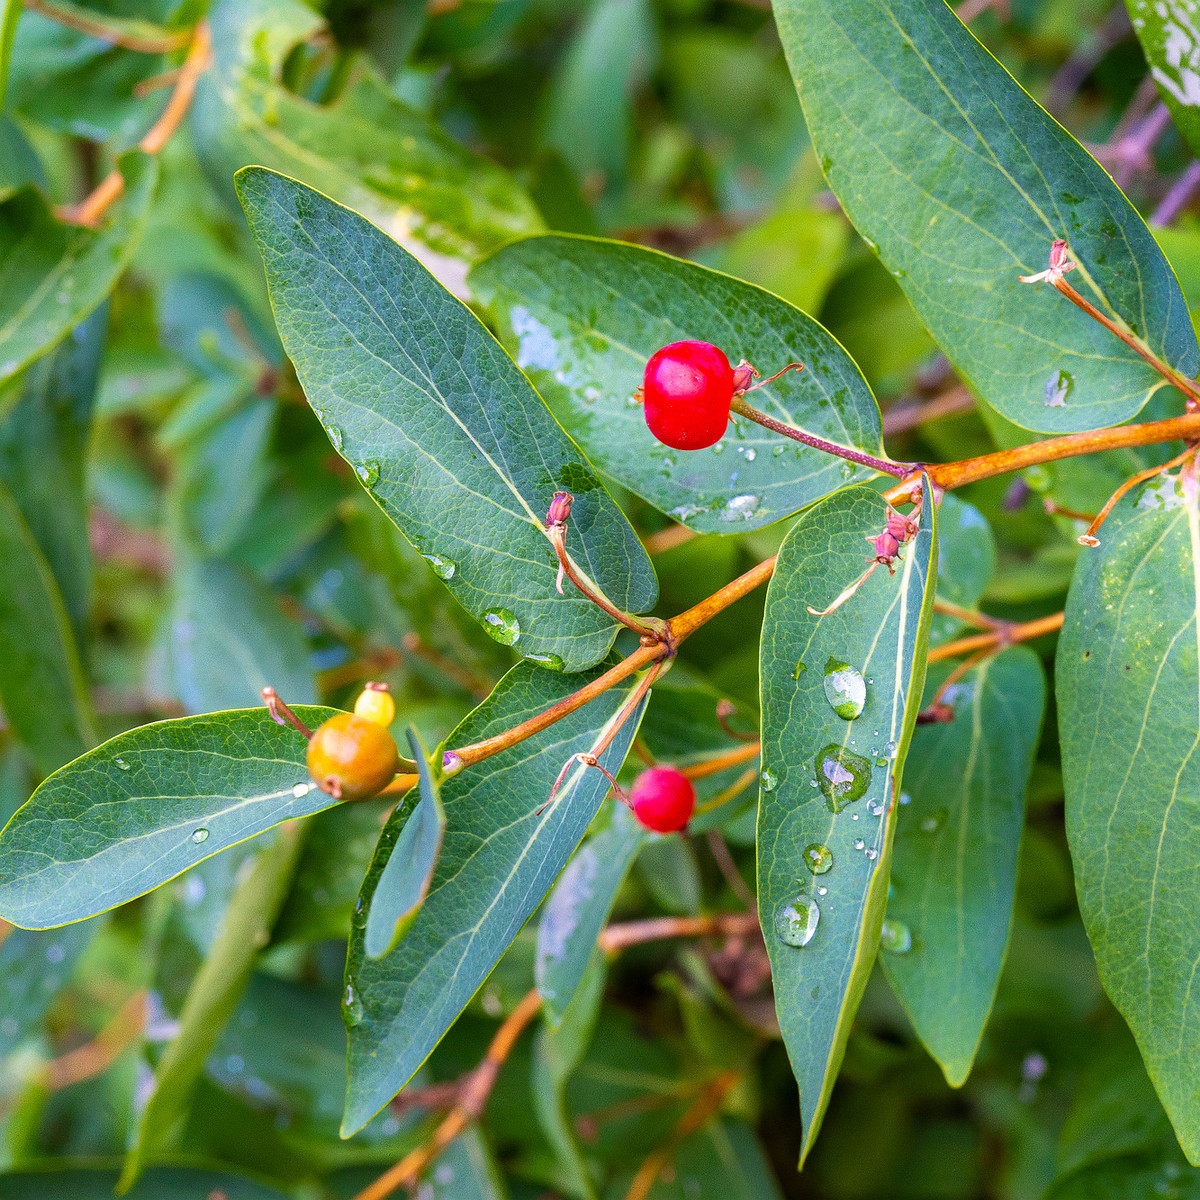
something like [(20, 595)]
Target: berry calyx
[(352, 758), (376, 704), (663, 799), (686, 393)]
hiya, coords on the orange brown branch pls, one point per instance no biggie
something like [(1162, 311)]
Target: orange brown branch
[(1006, 635)]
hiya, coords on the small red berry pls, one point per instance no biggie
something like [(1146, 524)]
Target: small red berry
[(663, 799), (686, 393)]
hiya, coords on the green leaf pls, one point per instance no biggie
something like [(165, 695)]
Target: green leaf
[(366, 149), (10, 14), (1130, 1178), (213, 996), (938, 157), (954, 864), (502, 851), (148, 804), (1170, 39), (229, 640), (54, 275), (445, 432), (557, 1051), (1128, 693), (583, 316), (815, 761), (966, 562), (577, 910), (41, 680), (163, 1183), (43, 455), (404, 881)]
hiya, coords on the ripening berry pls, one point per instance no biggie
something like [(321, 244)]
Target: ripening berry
[(663, 799), (686, 393), (376, 704), (352, 758)]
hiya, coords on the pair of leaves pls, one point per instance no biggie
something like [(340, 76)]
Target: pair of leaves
[(829, 784), (1128, 691), (441, 427), (962, 182)]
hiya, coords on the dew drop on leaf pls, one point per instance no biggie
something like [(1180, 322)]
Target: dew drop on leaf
[(443, 568), (845, 689), (818, 858), (551, 662), (300, 790), (842, 775), (352, 1005), (501, 625), (895, 937), (124, 766), (200, 835), (1058, 388), (859, 844), (368, 473), (768, 780), (359, 917), (796, 921), (335, 436)]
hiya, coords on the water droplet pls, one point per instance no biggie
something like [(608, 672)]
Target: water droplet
[(890, 748), (368, 472), (741, 508), (768, 780), (895, 937), (859, 844), (550, 661), (846, 469), (842, 775), (124, 766), (300, 790), (502, 625), (352, 1005), (778, 450), (200, 835), (1058, 388), (818, 858), (872, 853), (822, 890), (335, 436), (443, 568), (796, 921), (798, 670), (933, 823), (905, 798), (751, 453), (845, 689), (359, 917), (719, 448)]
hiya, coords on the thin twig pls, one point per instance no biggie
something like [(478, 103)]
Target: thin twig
[(731, 758), (902, 417), (663, 540), (732, 792), (1007, 636), (95, 1057), (1180, 195), (967, 615), (721, 856), (1088, 537), (96, 26)]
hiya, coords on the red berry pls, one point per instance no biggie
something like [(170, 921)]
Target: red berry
[(663, 799), (686, 393)]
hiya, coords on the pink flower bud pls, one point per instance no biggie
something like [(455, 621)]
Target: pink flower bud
[(560, 509)]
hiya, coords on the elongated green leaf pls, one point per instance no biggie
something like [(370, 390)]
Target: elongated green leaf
[(829, 784), (577, 910), (1169, 31), (445, 432), (54, 275), (41, 681), (1134, 1177), (366, 149), (503, 849), (10, 14), (163, 1183), (43, 455), (213, 996), (583, 316), (1128, 692), (148, 804), (404, 881), (940, 158), (954, 866)]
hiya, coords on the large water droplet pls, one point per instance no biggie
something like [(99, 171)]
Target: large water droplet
[(550, 661), (300, 790), (124, 766), (443, 568), (352, 1005), (768, 780), (502, 625), (842, 775), (845, 689), (895, 937), (740, 508), (335, 436), (818, 858), (1058, 388), (796, 921), (200, 835), (368, 472)]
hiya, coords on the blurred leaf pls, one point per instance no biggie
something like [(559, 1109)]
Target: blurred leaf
[(366, 149), (161, 1183), (577, 910), (19, 162), (1132, 1178), (148, 804), (938, 156), (10, 14), (1128, 676), (1170, 37), (558, 1050), (828, 783), (502, 851), (441, 427), (954, 866), (404, 881), (213, 996), (229, 640), (583, 317), (43, 456), (668, 868), (53, 275), (41, 681), (966, 562)]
